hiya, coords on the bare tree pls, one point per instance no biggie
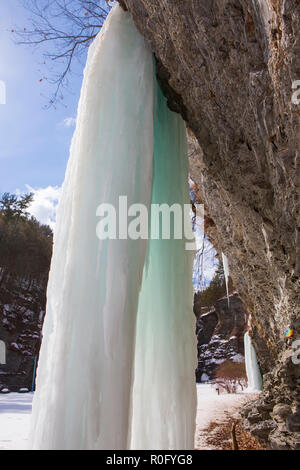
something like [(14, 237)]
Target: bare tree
[(204, 255), (231, 377), (64, 29)]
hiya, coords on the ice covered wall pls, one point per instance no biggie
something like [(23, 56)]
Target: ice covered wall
[(85, 367), (252, 367), (164, 393)]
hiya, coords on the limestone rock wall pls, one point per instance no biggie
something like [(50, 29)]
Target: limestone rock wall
[(220, 334), (22, 309)]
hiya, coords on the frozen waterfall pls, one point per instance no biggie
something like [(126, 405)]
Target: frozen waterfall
[(252, 367), (102, 381)]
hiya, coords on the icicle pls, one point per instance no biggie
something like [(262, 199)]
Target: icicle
[(84, 375), (252, 367), (164, 394), (226, 274), (2, 352)]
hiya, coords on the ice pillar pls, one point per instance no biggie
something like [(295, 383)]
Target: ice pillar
[(252, 367), (85, 368), (164, 393)]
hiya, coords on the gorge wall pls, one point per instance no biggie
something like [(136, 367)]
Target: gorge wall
[(228, 66), (220, 333), (22, 310)]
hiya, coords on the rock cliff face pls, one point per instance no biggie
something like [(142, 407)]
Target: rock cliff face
[(22, 308), (229, 67), (220, 334)]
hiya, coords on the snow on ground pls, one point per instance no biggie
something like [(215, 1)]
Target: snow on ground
[(216, 408), (15, 412)]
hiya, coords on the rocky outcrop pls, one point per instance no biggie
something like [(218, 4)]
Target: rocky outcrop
[(229, 67), (22, 308), (220, 334)]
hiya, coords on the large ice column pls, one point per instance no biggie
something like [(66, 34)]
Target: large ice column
[(252, 367), (164, 393), (85, 367)]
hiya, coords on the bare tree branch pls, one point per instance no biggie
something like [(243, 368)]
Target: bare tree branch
[(64, 29)]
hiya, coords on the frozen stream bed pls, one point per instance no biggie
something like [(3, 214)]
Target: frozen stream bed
[(15, 412)]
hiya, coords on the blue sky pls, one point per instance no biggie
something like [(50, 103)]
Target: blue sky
[(34, 142)]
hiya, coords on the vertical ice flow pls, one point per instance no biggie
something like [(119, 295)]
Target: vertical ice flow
[(85, 367), (164, 393), (84, 397), (252, 367), (226, 274)]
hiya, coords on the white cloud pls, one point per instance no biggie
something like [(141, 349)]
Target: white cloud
[(45, 203), (69, 122)]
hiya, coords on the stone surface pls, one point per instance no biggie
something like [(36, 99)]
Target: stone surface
[(22, 308), (293, 422), (280, 412), (228, 67), (220, 334)]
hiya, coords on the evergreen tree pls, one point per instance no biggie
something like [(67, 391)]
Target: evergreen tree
[(25, 244)]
